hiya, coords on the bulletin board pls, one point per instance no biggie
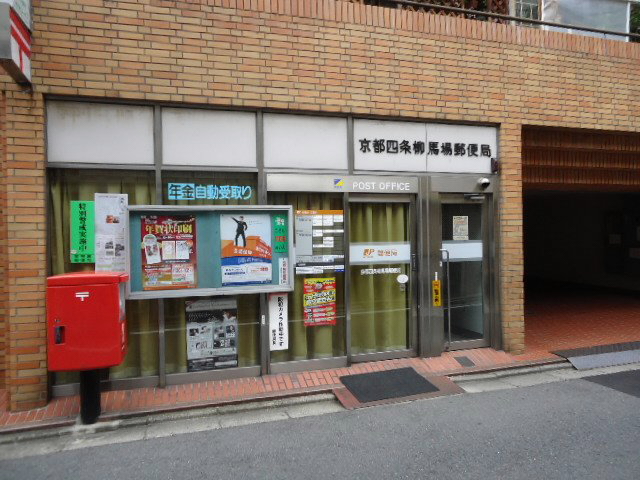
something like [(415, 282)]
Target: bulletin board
[(190, 251)]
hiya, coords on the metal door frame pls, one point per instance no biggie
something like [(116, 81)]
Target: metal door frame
[(297, 181), (436, 187), (411, 200)]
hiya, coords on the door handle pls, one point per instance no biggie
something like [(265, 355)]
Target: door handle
[(448, 308)]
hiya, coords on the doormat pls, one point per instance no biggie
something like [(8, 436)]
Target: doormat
[(625, 382), (389, 386), (602, 355)]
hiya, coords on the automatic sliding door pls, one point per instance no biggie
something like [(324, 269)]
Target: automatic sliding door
[(465, 264), (381, 298)]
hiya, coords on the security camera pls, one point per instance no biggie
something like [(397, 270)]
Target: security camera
[(484, 183)]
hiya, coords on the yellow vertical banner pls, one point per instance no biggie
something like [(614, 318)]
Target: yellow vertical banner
[(436, 290)]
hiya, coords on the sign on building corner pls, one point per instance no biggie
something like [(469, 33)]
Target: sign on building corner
[(15, 39)]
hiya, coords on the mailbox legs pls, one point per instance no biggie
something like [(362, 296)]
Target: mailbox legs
[(90, 407)]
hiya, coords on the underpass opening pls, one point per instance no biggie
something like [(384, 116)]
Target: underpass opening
[(581, 201)]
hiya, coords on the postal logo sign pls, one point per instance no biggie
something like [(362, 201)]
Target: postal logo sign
[(383, 252), (82, 295), (359, 185)]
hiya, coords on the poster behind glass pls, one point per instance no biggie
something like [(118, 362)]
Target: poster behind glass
[(111, 218), (212, 333), (246, 250), (169, 257), (319, 301)]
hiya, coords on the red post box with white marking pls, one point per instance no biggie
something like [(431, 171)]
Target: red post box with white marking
[(87, 328)]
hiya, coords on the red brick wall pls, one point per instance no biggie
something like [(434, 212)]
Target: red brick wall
[(23, 181), (311, 55), (3, 239)]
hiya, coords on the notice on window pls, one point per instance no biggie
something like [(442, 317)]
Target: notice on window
[(111, 218), (246, 249), (278, 321), (319, 301), (304, 233), (83, 232), (281, 233), (212, 334), (169, 258), (283, 267), (460, 227), (319, 241)]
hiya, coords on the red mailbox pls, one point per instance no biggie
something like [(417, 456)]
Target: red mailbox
[(86, 320)]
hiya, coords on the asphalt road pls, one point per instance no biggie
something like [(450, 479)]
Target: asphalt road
[(574, 429)]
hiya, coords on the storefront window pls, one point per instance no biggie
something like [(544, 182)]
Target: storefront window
[(310, 338), (67, 185)]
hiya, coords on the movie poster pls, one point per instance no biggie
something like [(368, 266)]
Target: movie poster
[(319, 301), (212, 333), (246, 249), (168, 252)]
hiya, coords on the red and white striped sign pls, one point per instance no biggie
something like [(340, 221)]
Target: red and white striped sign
[(15, 39), (20, 45)]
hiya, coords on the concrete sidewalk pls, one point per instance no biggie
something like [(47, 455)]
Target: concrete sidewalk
[(124, 404), (188, 421)]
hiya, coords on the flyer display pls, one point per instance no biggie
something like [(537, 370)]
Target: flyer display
[(208, 250), (111, 218), (169, 258), (212, 334), (246, 249), (319, 241), (319, 301)]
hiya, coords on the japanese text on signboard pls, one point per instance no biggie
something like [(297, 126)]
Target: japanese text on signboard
[(278, 321), (380, 145), (459, 149), (281, 232), (82, 232), (192, 191)]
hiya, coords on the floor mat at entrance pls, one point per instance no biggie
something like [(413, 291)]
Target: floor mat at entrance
[(626, 382), (605, 359), (378, 388)]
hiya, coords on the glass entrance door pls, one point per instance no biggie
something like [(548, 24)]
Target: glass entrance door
[(465, 270), (381, 278)]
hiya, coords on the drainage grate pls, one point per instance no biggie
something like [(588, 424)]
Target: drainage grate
[(465, 361)]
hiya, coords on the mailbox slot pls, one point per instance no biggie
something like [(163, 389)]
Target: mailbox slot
[(59, 334)]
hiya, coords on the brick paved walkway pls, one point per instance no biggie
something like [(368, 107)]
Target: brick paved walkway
[(128, 402), (566, 319)]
